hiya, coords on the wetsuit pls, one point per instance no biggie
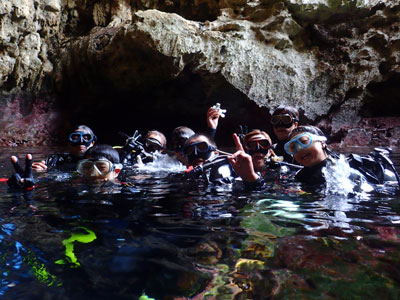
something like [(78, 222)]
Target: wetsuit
[(211, 132), (131, 157), (62, 161), (312, 175), (280, 151), (268, 174), (217, 171)]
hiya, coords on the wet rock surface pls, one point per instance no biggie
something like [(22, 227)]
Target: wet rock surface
[(168, 61)]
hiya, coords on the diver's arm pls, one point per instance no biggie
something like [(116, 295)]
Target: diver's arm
[(213, 118)]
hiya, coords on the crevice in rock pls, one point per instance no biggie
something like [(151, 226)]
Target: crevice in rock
[(383, 98), (325, 121)]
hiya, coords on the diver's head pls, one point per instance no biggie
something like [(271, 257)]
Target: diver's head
[(81, 139), (178, 138), (257, 143), (198, 149), (101, 162), (308, 145), (284, 119), (154, 141)]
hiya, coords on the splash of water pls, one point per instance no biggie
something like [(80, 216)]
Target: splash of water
[(162, 163), (337, 176), (341, 179)]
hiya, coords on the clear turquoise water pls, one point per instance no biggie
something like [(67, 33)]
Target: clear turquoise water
[(176, 240)]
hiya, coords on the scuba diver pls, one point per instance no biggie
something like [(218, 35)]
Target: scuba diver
[(284, 119), (308, 146), (204, 160), (266, 163), (136, 152), (178, 138), (181, 133), (98, 183), (255, 161), (100, 165), (80, 140)]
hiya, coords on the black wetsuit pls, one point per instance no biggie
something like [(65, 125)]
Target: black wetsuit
[(130, 157), (62, 161), (217, 171), (280, 151), (312, 175), (266, 175)]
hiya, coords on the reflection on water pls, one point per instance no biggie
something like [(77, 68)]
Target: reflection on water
[(171, 239)]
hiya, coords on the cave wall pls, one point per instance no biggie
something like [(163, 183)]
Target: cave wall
[(126, 65)]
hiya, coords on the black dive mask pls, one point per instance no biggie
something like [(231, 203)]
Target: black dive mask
[(198, 150), (257, 146), (151, 145), (178, 142), (284, 120), (81, 138)]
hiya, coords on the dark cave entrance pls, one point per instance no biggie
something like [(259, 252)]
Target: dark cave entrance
[(163, 106), (116, 81)]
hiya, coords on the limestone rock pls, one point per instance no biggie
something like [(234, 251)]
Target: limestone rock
[(337, 61)]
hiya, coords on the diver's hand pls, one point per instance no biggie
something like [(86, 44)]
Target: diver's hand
[(242, 163), (238, 144), (132, 143), (39, 166), (213, 116), (22, 178)]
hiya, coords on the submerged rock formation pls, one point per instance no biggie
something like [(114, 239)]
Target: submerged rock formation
[(338, 62)]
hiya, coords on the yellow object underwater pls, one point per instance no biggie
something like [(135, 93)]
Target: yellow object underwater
[(69, 246), (145, 297)]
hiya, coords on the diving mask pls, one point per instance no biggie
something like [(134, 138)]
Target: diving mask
[(284, 120), (152, 145), (302, 141), (96, 167), (201, 147), (81, 138)]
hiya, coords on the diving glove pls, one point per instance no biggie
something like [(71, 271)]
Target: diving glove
[(22, 179)]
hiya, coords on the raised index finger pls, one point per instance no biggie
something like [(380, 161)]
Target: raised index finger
[(238, 144)]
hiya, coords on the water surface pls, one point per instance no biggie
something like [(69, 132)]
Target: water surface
[(172, 239)]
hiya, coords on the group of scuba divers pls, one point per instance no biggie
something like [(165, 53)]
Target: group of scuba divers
[(300, 153)]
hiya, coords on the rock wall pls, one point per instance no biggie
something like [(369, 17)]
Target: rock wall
[(336, 61)]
